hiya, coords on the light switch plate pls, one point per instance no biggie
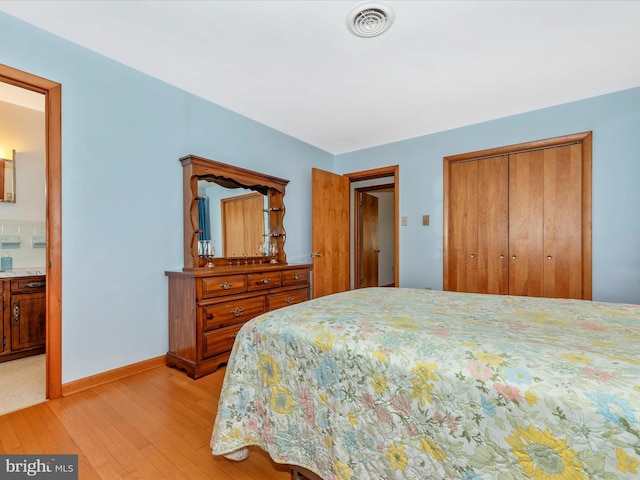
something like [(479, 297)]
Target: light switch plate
[(404, 221), (425, 219)]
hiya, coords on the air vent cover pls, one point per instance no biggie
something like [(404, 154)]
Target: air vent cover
[(370, 19)]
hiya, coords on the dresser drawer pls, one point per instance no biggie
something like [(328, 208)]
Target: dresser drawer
[(292, 277), (260, 281), (219, 341), (283, 299), (234, 311), (226, 285)]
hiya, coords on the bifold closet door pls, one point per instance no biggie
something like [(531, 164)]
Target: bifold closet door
[(478, 228), (562, 246), (545, 236), (493, 225), (463, 227)]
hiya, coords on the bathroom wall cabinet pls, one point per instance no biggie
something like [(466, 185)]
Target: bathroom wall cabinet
[(23, 317)]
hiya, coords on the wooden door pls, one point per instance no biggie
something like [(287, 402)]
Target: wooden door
[(370, 248), (493, 225), (548, 219), (242, 225), (562, 242), (330, 232), (545, 223), (526, 227), (462, 265), (478, 226)]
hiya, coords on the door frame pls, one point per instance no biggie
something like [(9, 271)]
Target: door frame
[(52, 92), (390, 171), (357, 237)]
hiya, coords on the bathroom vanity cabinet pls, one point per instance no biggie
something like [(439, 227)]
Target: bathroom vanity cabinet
[(23, 316)]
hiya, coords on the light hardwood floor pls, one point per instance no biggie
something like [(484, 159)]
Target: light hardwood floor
[(153, 425)]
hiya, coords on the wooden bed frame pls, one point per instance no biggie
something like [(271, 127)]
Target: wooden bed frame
[(299, 473)]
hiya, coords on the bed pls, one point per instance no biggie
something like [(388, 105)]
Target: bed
[(393, 383)]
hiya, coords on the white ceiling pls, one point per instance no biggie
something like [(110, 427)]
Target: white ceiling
[(21, 96), (294, 66)]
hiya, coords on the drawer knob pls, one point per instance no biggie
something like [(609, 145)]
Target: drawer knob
[(234, 335), (209, 316), (226, 285), (290, 300), (296, 277), (237, 311), (265, 280)]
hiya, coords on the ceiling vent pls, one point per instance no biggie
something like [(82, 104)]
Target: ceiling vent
[(370, 19)]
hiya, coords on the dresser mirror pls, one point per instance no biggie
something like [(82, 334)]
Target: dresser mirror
[(240, 210), (8, 179)]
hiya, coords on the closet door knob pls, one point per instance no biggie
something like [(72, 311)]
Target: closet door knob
[(513, 257), (549, 257), (501, 257), (473, 255)]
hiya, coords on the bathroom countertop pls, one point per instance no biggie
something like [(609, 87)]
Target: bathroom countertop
[(22, 272)]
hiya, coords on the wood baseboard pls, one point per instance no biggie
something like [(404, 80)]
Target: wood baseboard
[(111, 375)]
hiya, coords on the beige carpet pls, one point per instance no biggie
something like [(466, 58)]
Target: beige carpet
[(22, 383)]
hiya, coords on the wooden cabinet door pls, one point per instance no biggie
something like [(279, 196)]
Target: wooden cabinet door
[(28, 320)]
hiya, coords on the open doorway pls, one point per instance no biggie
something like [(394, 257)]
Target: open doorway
[(52, 92), (375, 227), (374, 239)]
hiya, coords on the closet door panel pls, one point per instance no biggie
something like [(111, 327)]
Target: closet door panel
[(526, 225), (493, 226), (463, 227), (563, 222)]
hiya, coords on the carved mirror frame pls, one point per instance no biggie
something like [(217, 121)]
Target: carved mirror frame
[(196, 168)]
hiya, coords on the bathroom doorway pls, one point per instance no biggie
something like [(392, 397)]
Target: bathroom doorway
[(53, 225)]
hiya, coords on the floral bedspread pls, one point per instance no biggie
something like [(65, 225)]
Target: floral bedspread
[(386, 383)]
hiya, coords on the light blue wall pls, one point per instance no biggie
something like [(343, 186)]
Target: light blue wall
[(615, 122), (122, 189), (122, 135)]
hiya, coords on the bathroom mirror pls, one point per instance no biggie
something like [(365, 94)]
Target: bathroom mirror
[(8, 179), (244, 210)]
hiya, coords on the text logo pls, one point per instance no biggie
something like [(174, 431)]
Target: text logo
[(50, 467)]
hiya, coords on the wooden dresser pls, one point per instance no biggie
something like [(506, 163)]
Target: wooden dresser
[(207, 307)]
